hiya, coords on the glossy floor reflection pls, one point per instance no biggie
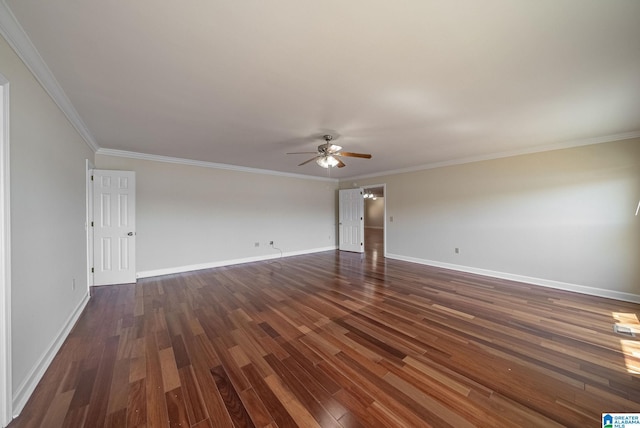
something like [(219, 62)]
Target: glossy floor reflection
[(337, 339)]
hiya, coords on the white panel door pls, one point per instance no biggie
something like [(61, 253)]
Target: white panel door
[(114, 227), (351, 220)]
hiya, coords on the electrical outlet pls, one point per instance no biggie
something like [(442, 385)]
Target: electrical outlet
[(391, 219), (457, 250), (270, 242), (257, 244)]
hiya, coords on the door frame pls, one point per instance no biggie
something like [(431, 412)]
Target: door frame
[(6, 388)]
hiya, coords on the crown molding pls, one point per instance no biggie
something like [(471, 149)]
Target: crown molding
[(505, 154), (15, 35), (204, 164)]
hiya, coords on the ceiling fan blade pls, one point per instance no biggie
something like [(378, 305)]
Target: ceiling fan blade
[(340, 163), (302, 153), (354, 155), (307, 161)]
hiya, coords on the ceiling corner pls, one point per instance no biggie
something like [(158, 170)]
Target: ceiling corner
[(16, 37)]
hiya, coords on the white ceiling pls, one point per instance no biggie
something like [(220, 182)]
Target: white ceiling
[(412, 82)]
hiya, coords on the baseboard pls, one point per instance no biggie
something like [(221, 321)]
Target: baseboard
[(189, 268), (26, 388), (593, 291)]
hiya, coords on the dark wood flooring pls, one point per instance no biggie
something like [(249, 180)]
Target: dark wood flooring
[(339, 340)]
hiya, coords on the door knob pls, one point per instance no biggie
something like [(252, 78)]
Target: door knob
[(130, 234)]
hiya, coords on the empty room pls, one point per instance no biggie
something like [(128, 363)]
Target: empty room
[(320, 214)]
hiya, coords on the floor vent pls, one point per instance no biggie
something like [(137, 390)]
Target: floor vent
[(620, 329)]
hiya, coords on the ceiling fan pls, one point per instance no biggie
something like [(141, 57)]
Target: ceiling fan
[(328, 155)]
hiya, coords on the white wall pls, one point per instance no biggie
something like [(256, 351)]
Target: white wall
[(374, 213), (191, 216), (560, 218), (47, 162)]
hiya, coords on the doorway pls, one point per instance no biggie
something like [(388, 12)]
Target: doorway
[(374, 220)]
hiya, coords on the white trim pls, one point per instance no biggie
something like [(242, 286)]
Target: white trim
[(204, 164), (17, 38), (5, 260), (189, 268), (26, 388), (384, 223), (566, 286), (505, 154)]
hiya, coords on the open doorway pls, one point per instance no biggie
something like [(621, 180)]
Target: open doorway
[(374, 220)]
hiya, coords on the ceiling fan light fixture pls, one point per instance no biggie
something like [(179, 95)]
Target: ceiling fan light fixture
[(327, 161), (330, 155)]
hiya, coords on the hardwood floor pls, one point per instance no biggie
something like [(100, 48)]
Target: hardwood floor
[(339, 340)]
